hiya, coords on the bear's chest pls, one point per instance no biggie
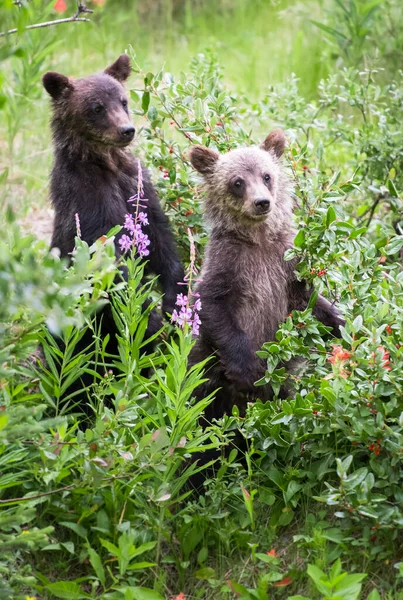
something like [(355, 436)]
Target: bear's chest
[(264, 294), (118, 198)]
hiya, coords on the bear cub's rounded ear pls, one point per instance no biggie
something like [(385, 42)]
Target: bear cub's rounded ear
[(203, 159), (275, 142), (120, 69), (55, 84)]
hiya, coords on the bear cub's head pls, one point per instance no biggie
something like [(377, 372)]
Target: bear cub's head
[(248, 184), (94, 108)]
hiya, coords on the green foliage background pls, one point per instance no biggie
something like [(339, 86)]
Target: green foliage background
[(100, 507)]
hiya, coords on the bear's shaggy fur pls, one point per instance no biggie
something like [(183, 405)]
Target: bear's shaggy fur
[(246, 287), (94, 175)]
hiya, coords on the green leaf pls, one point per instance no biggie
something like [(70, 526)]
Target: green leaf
[(3, 421), (374, 595), (238, 588), (394, 245), (66, 589), (299, 238), (286, 517), (4, 174), (141, 565), (142, 593), (332, 32), (143, 548), (110, 547), (327, 391), (330, 216), (145, 101), (393, 192), (350, 586), (313, 299), (205, 573), (78, 529), (69, 546), (320, 580), (96, 563), (357, 324), (292, 489), (152, 114), (202, 555)]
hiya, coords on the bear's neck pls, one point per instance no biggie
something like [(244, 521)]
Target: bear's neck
[(79, 149), (244, 230)]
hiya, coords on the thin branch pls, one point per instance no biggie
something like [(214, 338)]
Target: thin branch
[(62, 489), (81, 8), (372, 208), (27, 498), (19, 3), (74, 18)]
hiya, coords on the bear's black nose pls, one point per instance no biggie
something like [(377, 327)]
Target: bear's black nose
[(127, 132), (262, 205)]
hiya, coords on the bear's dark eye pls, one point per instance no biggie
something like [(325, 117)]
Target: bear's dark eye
[(237, 187), (124, 103), (267, 178), (97, 108)]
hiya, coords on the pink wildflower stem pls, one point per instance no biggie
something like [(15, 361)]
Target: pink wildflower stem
[(78, 227), (139, 188)]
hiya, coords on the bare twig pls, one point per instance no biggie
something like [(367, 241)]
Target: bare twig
[(19, 3), (373, 207), (81, 8), (62, 489), (371, 210), (27, 498), (74, 18)]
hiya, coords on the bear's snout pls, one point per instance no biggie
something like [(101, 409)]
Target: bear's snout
[(126, 132), (262, 205)]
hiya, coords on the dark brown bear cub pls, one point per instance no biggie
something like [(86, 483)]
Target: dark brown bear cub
[(94, 175), (246, 288)]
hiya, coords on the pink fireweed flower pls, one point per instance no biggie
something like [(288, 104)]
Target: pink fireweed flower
[(125, 243), (196, 323), (129, 223), (133, 223), (197, 304), (142, 217), (141, 241), (181, 300), (187, 317)]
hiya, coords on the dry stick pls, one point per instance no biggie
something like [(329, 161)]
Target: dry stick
[(27, 498), (74, 18), (372, 208), (62, 489)]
